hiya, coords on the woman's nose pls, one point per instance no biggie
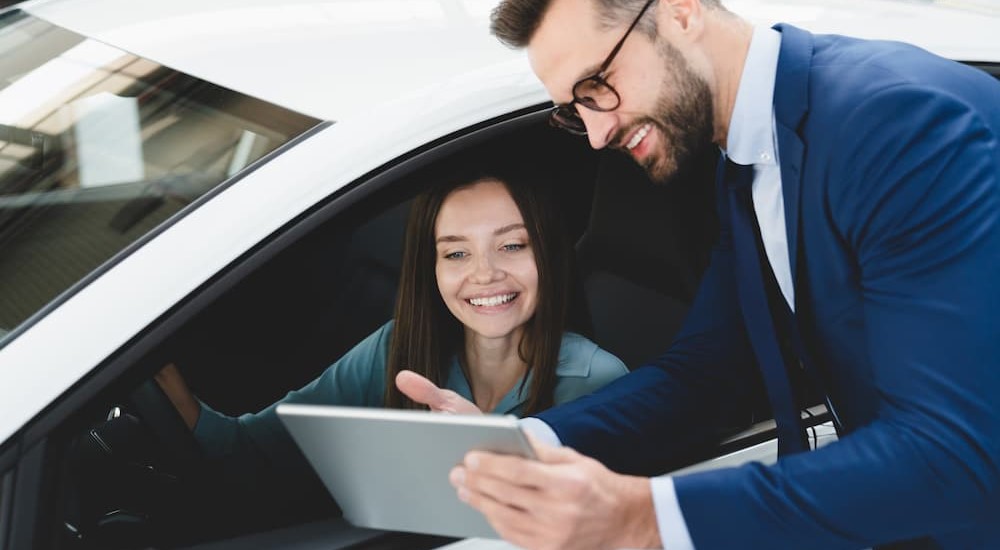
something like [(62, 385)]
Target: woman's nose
[(486, 270)]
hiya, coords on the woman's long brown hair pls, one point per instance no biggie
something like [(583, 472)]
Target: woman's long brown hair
[(426, 337)]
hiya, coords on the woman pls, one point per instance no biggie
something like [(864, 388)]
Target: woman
[(481, 310)]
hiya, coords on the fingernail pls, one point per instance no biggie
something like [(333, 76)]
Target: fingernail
[(463, 494), (457, 477), (471, 461)]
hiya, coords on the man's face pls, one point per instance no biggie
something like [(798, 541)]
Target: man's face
[(665, 115)]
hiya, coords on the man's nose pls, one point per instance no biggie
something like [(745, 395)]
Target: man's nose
[(600, 127)]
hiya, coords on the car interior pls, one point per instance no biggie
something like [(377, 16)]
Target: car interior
[(124, 471)]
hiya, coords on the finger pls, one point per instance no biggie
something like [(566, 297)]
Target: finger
[(421, 390), (523, 471), (508, 468), (469, 495), (424, 391), (521, 497), (517, 514), (510, 522)]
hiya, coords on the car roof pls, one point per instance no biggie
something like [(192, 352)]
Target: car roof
[(332, 58), (325, 58)]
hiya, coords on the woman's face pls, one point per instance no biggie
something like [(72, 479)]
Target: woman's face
[(485, 268)]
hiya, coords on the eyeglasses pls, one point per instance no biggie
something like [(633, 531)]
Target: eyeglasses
[(593, 92)]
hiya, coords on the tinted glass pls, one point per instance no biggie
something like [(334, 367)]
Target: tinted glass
[(98, 147)]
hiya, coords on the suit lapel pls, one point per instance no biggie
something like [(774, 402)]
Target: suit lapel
[(791, 104)]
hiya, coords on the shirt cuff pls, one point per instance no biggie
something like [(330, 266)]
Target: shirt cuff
[(540, 431), (669, 520), (215, 432)]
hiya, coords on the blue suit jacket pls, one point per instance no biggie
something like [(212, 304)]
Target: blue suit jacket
[(890, 165)]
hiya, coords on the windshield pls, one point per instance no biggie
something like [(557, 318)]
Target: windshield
[(99, 147)]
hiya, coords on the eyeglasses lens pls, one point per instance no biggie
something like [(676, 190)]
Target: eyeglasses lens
[(596, 94), (567, 118)]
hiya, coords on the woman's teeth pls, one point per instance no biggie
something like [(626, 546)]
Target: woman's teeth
[(493, 300)]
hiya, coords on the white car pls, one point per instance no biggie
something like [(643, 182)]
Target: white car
[(223, 184)]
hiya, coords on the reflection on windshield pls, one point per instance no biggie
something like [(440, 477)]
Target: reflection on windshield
[(98, 147)]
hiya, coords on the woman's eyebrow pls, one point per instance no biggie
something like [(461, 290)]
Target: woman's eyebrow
[(461, 238), (508, 228)]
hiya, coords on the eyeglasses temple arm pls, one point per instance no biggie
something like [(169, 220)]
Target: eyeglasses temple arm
[(618, 46)]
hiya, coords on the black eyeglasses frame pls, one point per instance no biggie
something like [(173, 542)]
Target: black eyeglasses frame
[(566, 115)]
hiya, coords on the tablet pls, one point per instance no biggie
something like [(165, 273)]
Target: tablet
[(388, 469)]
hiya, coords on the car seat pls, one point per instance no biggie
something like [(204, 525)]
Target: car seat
[(643, 253)]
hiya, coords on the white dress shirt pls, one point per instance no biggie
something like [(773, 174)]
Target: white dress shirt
[(751, 141)]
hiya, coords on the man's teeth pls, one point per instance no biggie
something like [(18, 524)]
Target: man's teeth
[(638, 137), (493, 300)]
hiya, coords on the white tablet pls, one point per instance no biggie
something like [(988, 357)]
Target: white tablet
[(388, 469)]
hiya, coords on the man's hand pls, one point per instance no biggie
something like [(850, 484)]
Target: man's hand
[(562, 500), (424, 391)]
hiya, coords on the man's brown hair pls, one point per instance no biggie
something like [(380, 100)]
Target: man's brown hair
[(514, 22)]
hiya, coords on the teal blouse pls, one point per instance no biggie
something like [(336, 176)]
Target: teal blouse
[(358, 379)]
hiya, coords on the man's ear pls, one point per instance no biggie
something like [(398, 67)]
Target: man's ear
[(679, 16)]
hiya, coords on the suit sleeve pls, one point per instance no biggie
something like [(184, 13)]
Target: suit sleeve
[(918, 204), (662, 414)]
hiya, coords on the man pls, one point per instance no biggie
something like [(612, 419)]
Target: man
[(871, 171)]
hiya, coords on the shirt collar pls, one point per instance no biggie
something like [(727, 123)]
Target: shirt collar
[(751, 138)]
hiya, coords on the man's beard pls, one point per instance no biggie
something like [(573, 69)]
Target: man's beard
[(683, 118)]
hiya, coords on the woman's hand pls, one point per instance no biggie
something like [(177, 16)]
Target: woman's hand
[(424, 391), (173, 384)]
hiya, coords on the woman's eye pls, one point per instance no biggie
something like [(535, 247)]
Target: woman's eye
[(454, 255), (514, 247)]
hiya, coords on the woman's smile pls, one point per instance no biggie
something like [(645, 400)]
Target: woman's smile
[(495, 302)]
